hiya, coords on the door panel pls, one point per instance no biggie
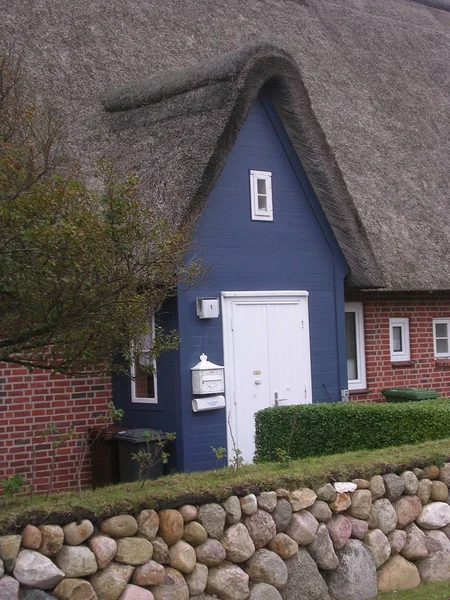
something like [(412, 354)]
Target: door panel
[(251, 370), (266, 353)]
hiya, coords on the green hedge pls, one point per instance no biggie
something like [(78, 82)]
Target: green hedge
[(318, 429)]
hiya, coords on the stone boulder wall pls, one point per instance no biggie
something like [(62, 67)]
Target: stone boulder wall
[(346, 540)]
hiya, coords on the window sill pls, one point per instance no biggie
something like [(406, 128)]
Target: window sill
[(402, 363), (356, 392), (442, 363)]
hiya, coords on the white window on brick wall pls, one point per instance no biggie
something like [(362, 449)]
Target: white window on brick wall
[(356, 358), (399, 339), (143, 381), (441, 338), (261, 195)]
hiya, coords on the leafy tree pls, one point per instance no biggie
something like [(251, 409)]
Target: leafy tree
[(80, 271)]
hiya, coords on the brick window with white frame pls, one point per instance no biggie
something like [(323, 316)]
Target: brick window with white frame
[(441, 338), (399, 339), (143, 381), (261, 195), (356, 361)]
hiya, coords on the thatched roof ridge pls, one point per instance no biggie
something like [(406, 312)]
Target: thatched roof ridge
[(376, 75), (242, 75)]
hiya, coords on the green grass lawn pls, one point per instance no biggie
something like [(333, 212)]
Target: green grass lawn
[(207, 486), (427, 591)]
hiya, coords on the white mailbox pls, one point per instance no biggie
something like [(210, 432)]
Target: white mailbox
[(207, 378), (207, 308), (208, 403)]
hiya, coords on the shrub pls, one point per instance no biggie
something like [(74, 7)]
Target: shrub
[(317, 429)]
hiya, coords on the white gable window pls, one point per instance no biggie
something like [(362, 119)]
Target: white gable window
[(143, 381), (356, 358), (441, 338), (261, 195), (399, 339)]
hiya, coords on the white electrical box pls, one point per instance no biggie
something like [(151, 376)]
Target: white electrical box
[(209, 403), (207, 308), (207, 378), (344, 395)]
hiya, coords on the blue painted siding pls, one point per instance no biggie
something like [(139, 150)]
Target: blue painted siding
[(295, 251), (166, 415)]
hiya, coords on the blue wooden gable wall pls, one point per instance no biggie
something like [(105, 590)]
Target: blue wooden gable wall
[(297, 251)]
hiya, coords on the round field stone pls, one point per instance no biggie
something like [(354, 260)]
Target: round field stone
[(340, 530), (194, 533), (397, 540), (303, 528), (182, 557), (211, 553), (397, 574), (249, 504), (228, 582), (52, 539), (133, 551), (77, 533), (109, 583), (302, 498), (233, 510), (322, 550), (282, 514), (394, 486), (212, 517), (439, 491), (261, 528), (148, 524), (408, 508), (197, 580), (160, 551), (283, 545), (173, 587), (267, 501), (341, 502), (31, 537), (321, 511), (171, 526), (327, 493), (104, 549), (411, 483), (238, 544), (361, 504), (188, 512), (424, 490), (377, 487), (119, 526), (267, 567), (152, 573), (431, 472)]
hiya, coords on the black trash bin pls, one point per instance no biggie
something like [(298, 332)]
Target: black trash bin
[(105, 455), (131, 442)]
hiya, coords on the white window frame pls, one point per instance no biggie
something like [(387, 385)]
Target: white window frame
[(259, 214), (403, 323), (436, 353), (137, 400), (361, 382)]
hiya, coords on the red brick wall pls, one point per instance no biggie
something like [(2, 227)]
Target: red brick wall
[(425, 371), (28, 404)]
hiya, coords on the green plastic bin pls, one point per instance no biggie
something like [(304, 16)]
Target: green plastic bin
[(130, 442), (406, 394)]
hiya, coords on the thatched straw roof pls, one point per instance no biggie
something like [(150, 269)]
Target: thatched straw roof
[(362, 88)]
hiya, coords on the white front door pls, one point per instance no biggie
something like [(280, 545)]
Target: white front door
[(267, 358)]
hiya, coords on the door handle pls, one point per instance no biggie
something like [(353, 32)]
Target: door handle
[(278, 400)]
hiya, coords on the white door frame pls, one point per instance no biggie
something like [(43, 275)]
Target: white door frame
[(228, 351)]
